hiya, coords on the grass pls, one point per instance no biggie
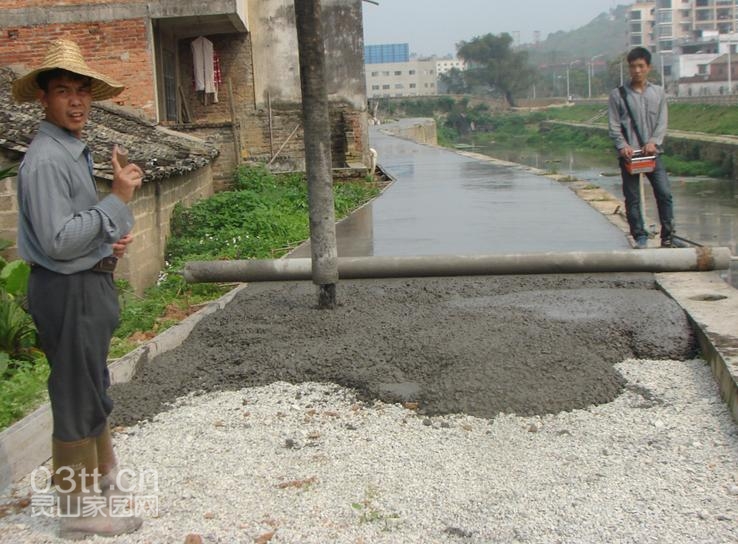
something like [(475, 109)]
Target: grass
[(709, 118), (265, 216), (22, 391)]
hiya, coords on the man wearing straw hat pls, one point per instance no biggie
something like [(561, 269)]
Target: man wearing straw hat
[(72, 240)]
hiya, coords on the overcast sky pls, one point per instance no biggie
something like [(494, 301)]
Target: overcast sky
[(433, 27)]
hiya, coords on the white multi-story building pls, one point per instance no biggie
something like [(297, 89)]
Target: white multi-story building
[(446, 65), (400, 79), (641, 20), (663, 26), (659, 24), (392, 72), (702, 64)]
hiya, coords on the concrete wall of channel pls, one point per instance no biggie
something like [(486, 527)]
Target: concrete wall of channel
[(421, 130), (722, 150)]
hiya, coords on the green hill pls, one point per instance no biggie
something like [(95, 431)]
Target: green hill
[(604, 35)]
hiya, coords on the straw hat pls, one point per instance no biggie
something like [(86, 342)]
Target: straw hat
[(65, 54)]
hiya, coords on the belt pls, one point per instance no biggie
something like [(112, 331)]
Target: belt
[(106, 264)]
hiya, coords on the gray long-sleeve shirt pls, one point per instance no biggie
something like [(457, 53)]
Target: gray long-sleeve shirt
[(62, 225), (650, 112)]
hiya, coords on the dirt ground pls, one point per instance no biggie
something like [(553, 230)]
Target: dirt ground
[(479, 345)]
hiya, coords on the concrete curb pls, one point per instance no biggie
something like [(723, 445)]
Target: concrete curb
[(712, 307), (27, 444)]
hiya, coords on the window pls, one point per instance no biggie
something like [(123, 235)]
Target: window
[(412, 85), (398, 72), (375, 74), (399, 86), (385, 87), (702, 69), (385, 73), (375, 87), (411, 72), (170, 85)]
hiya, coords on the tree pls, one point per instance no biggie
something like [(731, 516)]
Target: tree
[(452, 82), (493, 65)]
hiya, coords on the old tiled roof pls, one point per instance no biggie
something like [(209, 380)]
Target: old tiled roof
[(161, 153)]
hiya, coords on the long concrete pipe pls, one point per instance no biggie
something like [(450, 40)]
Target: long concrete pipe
[(644, 260)]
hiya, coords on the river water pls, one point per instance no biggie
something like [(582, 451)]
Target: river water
[(705, 209)]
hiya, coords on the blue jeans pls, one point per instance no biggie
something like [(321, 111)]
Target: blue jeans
[(661, 190)]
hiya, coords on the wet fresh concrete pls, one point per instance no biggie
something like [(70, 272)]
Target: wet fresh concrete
[(443, 202), (514, 209)]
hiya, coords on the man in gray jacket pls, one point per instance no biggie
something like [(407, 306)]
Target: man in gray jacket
[(72, 240), (642, 128)]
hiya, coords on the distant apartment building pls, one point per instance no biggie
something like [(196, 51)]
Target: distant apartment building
[(400, 79), (702, 65), (672, 29), (641, 20), (444, 66), (660, 24), (391, 72)]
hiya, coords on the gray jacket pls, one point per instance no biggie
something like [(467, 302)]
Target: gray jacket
[(650, 110), (62, 225)]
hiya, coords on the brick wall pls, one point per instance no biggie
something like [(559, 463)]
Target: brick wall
[(119, 49), (152, 208), (220, 136), (212, 121), (8, 202), (8, 213)]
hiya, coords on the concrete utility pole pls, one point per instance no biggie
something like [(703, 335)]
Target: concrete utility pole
[(318, 159)]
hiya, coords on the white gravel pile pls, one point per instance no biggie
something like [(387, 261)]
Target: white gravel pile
[(310, 464)]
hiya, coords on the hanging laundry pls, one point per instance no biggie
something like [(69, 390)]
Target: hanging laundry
[(204, 63)]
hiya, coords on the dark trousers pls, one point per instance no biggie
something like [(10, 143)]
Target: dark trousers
[(661, 190), (76, 316)]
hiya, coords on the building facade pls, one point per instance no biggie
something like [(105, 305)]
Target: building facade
[(251, 108), (443, 66), (641, 21), (402, 79), (684, 35), (391, 72)]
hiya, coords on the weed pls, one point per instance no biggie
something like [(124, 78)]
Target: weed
[(369, 511)]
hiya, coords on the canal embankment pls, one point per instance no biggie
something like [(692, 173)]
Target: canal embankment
[(721, 150)]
